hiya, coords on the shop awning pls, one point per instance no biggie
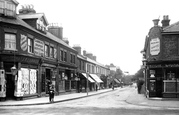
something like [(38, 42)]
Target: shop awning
[(96, 78), (89, 78)]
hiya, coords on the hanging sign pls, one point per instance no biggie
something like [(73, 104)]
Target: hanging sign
[(155, 46)]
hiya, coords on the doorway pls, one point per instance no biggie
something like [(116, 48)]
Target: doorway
[(10, 86)]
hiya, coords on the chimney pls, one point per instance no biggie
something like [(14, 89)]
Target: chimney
[(165, 22), (56, 30), (84, 52), (155, 21), (66, 40), (94, 58), (77, 48), (27, 9), (89, 55)]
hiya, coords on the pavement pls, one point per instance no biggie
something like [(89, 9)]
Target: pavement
[(134, 99)]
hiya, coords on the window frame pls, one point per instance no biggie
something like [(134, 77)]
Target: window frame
[(31, 45), (46, 50), (10, 41)]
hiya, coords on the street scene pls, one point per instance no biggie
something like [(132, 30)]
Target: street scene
[(110, 102), (89, 57)]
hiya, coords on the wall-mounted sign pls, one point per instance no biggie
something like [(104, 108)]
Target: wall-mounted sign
[(23, 42), (38, 47), (155, 46)]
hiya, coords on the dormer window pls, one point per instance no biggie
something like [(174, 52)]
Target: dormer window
[(40, 25), (7, 8)]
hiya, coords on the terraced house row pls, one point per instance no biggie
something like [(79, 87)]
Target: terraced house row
[(34, 53)]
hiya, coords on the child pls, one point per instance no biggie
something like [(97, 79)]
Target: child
[(51, 93)]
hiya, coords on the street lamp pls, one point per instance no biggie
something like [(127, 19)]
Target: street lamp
[(87, 83)]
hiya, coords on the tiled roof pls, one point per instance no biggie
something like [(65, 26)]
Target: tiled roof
[(20, 22), (172, 28)]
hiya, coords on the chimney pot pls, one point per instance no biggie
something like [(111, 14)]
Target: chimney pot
[(155, 21), (165, 22)]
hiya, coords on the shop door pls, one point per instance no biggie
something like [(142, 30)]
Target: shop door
[(10, 86), (48, 79), (159, 86)]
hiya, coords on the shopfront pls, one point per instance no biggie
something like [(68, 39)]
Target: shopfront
[(163, 80)]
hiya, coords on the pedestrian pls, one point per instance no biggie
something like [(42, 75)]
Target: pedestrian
[(96, 87), (51, 93)]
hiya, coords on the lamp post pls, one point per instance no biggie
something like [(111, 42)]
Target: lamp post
[(87, 83)]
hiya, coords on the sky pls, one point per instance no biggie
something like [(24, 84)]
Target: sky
[(112, 30)]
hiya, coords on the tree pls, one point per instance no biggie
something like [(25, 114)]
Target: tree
[(138, 75)]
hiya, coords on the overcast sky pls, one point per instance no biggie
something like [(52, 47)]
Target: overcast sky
[(113, 30)]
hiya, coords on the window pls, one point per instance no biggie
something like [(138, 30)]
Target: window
[(40, 25), (30, 46), (10, 41), (7, 8), (10, 9), (1, 7), (51, 52), (79, 64), (46, 50), (61, 55), (71, 58), (55, 53), (65, 56), (74, 59)]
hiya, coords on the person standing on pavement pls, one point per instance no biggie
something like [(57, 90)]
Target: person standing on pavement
[(51, 93)]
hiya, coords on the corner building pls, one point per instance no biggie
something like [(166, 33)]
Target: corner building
[(30, 56), (161, 60)]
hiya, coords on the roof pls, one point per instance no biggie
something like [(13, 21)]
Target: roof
[(15, 2), (20, 22), (172, 28), (81, 57), (33, 16)]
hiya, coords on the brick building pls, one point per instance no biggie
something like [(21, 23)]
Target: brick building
[(161, 59)]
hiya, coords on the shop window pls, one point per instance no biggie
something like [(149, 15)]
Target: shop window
[(10, 41), (30, 45)]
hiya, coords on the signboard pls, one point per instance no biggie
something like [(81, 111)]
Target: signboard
[(38, 47), (23, 42), (155, 46)]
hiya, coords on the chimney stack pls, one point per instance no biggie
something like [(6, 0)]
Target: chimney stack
[(89, 55), (155, 21), (94, 58), (165, 22), (56, 30), (66, 40), (84, 52), (77, 48)]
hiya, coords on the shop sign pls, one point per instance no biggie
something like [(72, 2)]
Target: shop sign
[(23, 42), (38, 47), (155, 46)]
